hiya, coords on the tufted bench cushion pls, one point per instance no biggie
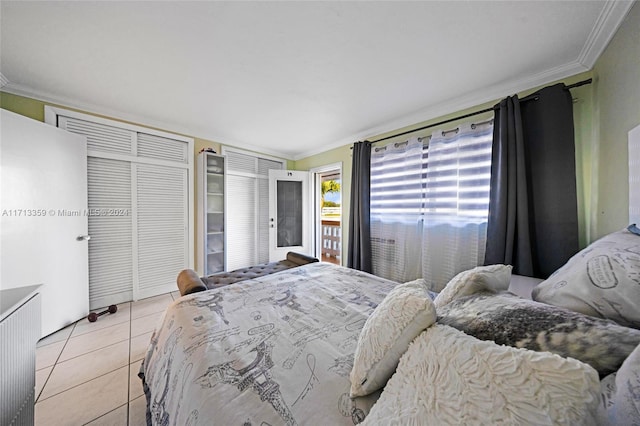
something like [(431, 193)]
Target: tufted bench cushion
[(189, 281)]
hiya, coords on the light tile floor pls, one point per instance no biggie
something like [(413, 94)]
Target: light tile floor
[(87, 373)]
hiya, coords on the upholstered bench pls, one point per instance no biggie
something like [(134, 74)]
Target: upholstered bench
[(189, 281)]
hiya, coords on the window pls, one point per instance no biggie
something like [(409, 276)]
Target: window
[(428, 197), (454, 183)]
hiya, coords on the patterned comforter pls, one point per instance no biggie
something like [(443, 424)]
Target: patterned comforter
[(268, 351)]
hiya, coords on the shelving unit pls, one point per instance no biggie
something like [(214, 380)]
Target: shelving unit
[(211, 213)]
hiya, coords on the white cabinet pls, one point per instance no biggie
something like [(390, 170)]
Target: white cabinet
[(19, 332), (211, 213)]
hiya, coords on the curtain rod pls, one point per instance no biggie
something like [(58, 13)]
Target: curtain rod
[(471, 114)]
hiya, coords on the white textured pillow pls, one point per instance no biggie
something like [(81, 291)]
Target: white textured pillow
[(603, 280), (494, 278), (625, 409), (448, 377), (399, 318)]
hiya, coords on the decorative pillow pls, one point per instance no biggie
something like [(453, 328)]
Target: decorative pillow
[(399, 318), (603, 280), (509, 320), (421, 282), (626, 400), (492, 278), (447, 377), (607, 393)]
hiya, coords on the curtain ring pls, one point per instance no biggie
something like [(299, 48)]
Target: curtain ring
[(456, 130)]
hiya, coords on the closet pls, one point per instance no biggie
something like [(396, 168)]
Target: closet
[(247, 186), (140, 206)]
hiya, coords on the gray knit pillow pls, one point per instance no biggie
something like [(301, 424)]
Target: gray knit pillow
[(509, 320)]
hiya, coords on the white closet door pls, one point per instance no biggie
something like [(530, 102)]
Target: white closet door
[(248, 208), (241, 222), (111, 244), (161, 228)]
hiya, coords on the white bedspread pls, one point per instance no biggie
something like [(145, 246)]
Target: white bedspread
[(274, 350)]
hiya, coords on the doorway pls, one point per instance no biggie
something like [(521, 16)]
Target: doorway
[(289, 226), (328, 213)]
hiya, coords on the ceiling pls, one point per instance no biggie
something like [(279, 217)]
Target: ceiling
[(293, 78)]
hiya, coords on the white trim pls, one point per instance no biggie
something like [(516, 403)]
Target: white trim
[(327, 168), (139, 160), (135, 248), (634, 175), (609, 20), (316, 237)]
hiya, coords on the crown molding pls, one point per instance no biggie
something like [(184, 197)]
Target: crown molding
[(473, 99), (605, 27), (169, 127)]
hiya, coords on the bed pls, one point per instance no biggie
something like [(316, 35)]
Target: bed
[(324, 344)]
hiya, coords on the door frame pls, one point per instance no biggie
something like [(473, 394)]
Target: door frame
[(279, 253), (316, 236)]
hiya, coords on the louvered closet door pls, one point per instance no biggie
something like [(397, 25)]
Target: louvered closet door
[(111, 243), (248, 209), (241, 222), (161, 228)]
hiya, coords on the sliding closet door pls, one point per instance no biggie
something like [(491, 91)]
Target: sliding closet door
[(161, 228), (140, 208), (248, 208), (111, 243)]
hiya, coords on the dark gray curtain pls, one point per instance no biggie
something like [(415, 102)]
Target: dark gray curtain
[(533, 220), (359, 252)]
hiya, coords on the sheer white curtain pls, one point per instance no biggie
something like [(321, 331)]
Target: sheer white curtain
[(457, 177), (396, 204)]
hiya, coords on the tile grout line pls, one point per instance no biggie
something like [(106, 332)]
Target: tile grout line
[(67, 340), (92, 350), (128, 372), (102, 415), (54, 364), (85, 382)]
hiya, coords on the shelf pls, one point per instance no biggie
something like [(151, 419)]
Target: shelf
[(211, 205)]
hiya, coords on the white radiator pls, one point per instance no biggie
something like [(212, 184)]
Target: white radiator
[(19, 332)]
